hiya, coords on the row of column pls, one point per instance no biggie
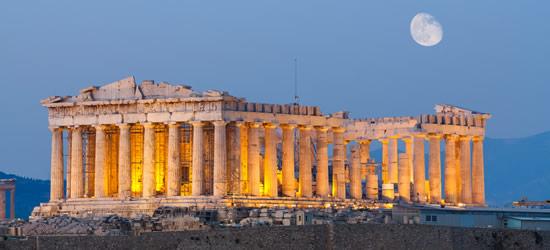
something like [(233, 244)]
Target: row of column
[(3, 203), (464, 173)]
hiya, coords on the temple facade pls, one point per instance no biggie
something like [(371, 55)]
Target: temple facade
[(126, 148)]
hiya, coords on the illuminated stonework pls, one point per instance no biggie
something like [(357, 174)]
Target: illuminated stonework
[(149, 145)]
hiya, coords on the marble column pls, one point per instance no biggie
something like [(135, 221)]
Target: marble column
[(233, 170), (404, 182), (458, 166), (220, 150), (198, 158), (69, 159), (124, 162), (450, 170), (355, 172), (2, 204), (270, 163), (384, 160), (56, 184), (465, 170), (322, 183), (100, 185), (253, 159), (149, 178), (478, 172), (365, 156), (244, 158), (392, 160), (305, 176), (89, 183), (12, 203), (289, 188), (174, 173), (419, 169), (408, 151), (434, 169), (77, 171), (338, 163)]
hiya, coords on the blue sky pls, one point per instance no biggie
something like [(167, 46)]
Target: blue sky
[(352, 55)]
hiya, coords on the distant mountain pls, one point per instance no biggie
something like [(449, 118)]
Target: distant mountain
[(29, 193)]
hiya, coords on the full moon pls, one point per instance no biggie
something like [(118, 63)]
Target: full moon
[(425, 30)]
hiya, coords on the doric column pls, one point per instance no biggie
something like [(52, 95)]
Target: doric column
[(56, 184), (478, 172), (198, 158), (305, 162), (124, 162), (12, 203), (2, 204), (384, 160), (149, 179), (253, 159), (408, 151), (355, 172), (77, 171), (465, 170), (270, 163), (322, 184), (392, 159), (89, 184), (100, 185), (419, 168), (289, 188), (233, 170), (244, 157), (220, 150), (434, 169), (457, 167), (69, 159), (365, 156), (174, 176), (450, 170), (404, 182), (338, 163)]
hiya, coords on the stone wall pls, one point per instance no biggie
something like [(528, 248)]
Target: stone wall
[(338, 236)]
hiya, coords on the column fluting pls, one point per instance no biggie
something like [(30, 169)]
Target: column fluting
[(56, 184), (198, 158), (289, 187), (174, 175)]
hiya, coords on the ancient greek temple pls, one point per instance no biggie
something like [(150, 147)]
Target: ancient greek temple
[(130, 148)]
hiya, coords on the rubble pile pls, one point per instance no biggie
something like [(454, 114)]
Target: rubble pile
[(182, 218)]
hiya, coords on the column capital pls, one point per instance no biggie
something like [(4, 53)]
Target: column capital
[(407, 139), (238, 123), (197, 123), (288, 126), (450, 137), (394, 137), (100, 127), (322, 128), (173, 124), (124, 125), (254, 124), (364, 141), (76, 127), (148, 125), (55, 128), (270, 125), (338, 129), (304, 127), (438, 136), (383, 140), (219, 123), (465, 138), (478, 138)]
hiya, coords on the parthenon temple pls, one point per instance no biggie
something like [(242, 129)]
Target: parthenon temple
[(131, 148)]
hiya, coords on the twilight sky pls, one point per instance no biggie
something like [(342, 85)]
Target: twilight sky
[(352, 55)]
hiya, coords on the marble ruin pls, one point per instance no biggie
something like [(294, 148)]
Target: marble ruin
[(132, 148), (5, 185)]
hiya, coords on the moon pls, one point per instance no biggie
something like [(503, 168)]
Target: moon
[(425, 30)]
